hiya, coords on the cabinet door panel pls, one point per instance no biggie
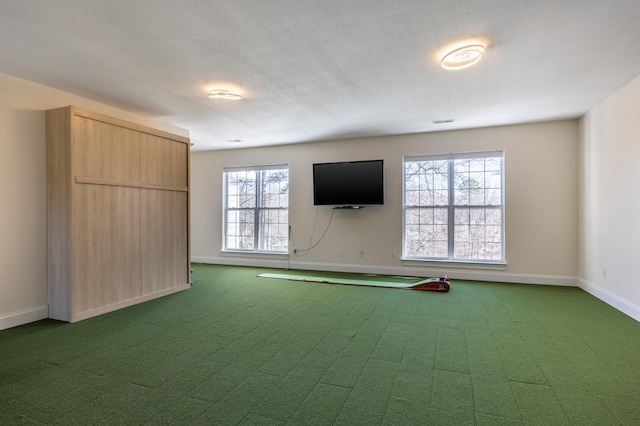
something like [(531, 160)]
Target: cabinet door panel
[(105, 151), (106, 246), (165, 262), (164, 162)]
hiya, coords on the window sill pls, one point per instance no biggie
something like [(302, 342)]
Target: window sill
[(495, 266), (242, 253)]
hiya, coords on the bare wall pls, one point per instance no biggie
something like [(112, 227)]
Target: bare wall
[(610, 200), (541, 174)]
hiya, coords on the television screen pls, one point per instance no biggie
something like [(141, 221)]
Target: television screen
[(348, 184)]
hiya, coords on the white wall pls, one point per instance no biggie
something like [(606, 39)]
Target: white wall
[(541, 194), (610, 200), (541, 168), (23, 256)]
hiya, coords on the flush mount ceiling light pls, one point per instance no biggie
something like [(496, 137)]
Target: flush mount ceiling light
[(463, 57), (224, 94)]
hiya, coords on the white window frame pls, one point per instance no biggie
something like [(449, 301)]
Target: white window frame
[(257, 209), (451, 207)]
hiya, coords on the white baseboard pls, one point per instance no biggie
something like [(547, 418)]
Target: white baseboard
[(611, 299), (25, 316), (261, 262), (453, 273)]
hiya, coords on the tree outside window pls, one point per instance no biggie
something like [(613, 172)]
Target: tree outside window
[(256, 205), (453, 207)]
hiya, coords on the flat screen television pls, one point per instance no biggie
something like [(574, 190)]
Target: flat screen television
[(348, 184)]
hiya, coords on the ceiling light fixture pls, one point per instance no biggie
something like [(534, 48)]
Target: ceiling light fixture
[(463, 57), (224, 94)]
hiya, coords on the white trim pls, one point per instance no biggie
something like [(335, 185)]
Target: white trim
[(497, 266), (255, 168), (455, 155), (453, 273), (451, 207), (25, 316), (611, 299), (254, 254), (257, 207), (252, 261)]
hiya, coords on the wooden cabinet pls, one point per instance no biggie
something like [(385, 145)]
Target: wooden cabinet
[(117, 213)]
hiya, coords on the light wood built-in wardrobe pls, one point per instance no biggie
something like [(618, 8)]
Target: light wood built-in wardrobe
[(117, 213)]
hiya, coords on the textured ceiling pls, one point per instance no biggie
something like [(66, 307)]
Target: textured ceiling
[(319, 70)]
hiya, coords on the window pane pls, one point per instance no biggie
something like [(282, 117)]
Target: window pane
[(240, 229), (493, 164), (461, 196), (426, 232), (412, 198), (462, 250), (477, 216), (470, 194), (241, 189), (412, 248), (275, 188), (461, 166), (494, 234), (257, 195), (493, 180), (273, 230), (476, 164), (440, 233), (425, 198), (478, 234), (478, 182), (476, 197), (493, 216), (462, 216), (441, 216), (493, 197), (426, 183), (493, 251), (441, 250), (440, 197), (232, 190), (412, 216)]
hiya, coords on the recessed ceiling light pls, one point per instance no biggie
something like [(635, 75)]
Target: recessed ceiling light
[(463, 57), (233, 140), (448, 120), (224, 94)]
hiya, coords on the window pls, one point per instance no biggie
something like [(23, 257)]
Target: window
[(453, 207), (256, 209)]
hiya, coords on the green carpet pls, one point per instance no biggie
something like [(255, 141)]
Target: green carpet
[(236, 349)]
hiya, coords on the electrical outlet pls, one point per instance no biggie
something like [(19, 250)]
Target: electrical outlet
[(604, 272), (340, 252), (393, 254), (361, 253)]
